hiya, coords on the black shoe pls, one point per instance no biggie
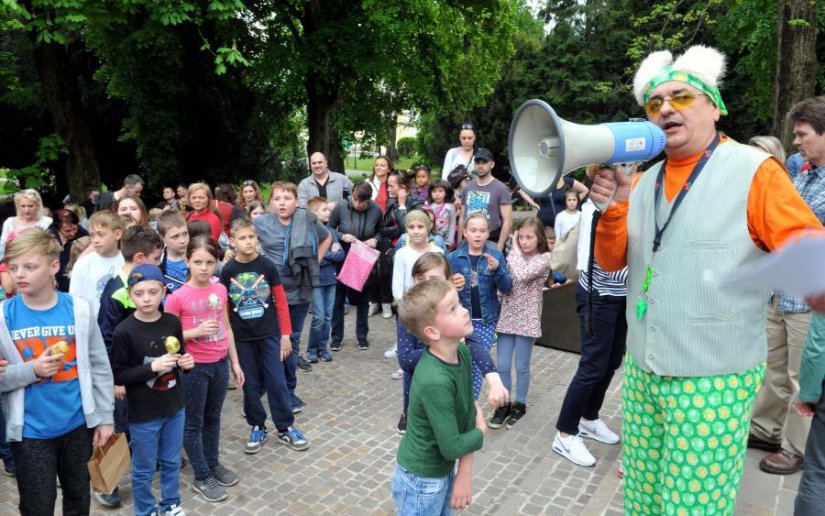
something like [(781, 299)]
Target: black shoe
[(363, 344), (303, 365), (516, 413), (108, 500), (402, 424), (761, 444), (335, 346), (500, 416)]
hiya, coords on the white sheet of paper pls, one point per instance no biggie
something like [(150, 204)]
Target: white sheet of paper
[(798, 268)]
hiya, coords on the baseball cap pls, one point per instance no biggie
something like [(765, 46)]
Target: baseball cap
[(484, 154), (145, 272)]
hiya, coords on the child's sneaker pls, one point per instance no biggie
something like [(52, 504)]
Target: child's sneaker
[(392, 352), (10, 469), (174, 510), (256, 438), (225, 476), (297, 404), (209, 489), (108, 499), (335, 346), (293, 438), (363, 344), (397, 374), (325, 355), (386, 310), (516, 413), (597, 430), (402, 424), (373, 309), (303, 365), (573, 449), (499, 416), (312, 357)]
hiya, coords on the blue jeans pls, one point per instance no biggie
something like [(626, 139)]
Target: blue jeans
[(205, 388), (323, 301), (297, 314), (423, 496), (263, 370), (362, 328), (601, 355), (156, 443), (523, 348), (811, 495)]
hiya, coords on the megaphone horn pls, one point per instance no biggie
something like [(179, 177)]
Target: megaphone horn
[(544, 147)]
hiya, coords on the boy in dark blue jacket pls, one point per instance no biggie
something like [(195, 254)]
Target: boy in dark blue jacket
[(323, 295)]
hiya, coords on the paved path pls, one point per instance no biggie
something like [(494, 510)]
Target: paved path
[(352, 408)]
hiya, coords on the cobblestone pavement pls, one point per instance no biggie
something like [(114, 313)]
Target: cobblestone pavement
[(352, 408)]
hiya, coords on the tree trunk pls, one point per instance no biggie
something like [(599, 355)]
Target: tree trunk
[(322, 114), (795, 64), (392, 126), (62, 96)]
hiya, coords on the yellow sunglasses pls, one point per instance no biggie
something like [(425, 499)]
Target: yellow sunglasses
[(679, 102)]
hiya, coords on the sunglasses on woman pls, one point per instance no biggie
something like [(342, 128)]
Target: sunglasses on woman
[(679, 102)]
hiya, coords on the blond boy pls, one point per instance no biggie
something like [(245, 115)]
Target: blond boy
[(92, 270), (172, 229), (444, 422)]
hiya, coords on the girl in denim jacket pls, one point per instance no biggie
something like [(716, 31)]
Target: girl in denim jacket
[(485, 273)]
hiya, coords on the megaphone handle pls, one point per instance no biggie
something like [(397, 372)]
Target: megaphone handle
[(627, 169)]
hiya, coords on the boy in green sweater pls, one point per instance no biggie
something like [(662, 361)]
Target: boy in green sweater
[(444, 421)]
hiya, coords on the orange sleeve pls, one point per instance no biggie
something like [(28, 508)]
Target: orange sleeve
[(611, 237), (776, 212)]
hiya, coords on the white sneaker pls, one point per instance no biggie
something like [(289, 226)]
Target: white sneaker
[(392, 352), (386, 311), (373, 309), (597, 430), (573, 449), (174, 510), (398, 374)]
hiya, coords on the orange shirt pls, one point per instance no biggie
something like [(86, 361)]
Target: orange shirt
[(776, 212)]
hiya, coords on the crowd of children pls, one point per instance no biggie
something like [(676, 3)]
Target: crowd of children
[(183, 318)]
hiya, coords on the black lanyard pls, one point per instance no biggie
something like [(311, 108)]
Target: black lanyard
[(697, 169)]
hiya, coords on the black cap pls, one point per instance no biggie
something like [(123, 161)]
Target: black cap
[(483, 154)]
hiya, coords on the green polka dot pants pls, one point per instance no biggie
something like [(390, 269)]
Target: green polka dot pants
[(684, 440)]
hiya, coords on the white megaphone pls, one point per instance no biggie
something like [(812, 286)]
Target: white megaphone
[(545, 147)]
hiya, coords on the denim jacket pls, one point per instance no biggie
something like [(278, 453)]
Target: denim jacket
[(489, 282)]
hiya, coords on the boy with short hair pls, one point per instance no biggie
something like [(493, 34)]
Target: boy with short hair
[(293, 238), (91, 271), (147, 355), (172, 228), (323, 295), (261, 324), (444, 422), (57, 388), (139, 245)]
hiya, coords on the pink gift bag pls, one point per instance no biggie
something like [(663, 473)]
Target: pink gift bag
[(358, 265)]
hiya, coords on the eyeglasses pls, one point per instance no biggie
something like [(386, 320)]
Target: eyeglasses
[(468, 126), (679, 102), (250, 182)]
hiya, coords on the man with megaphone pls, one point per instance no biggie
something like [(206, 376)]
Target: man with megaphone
[(696, 344)]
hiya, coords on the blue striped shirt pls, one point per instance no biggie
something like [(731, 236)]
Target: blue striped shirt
[(811, 187)]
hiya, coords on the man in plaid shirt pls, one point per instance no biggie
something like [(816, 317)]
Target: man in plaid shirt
[(776, 426)]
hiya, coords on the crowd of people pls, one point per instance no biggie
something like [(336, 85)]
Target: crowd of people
[(135, 321)]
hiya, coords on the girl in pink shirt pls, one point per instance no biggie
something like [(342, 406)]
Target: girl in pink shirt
[(201, 306)]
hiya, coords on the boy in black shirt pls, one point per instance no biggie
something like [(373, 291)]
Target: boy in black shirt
[(147, 355), (261, 324)]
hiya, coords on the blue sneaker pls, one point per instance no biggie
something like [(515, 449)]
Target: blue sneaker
[(325, 355), (297, 404), (312, 357), (293, 438), (108, 500), (256, 438)]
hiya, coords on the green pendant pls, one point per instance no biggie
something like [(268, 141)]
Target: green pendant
[(648, 279), (641, 308)]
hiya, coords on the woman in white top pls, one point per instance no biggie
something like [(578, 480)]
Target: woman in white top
[(29, 207), (462, 155)]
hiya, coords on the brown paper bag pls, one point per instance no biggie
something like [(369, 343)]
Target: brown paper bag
[(109, 463)]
